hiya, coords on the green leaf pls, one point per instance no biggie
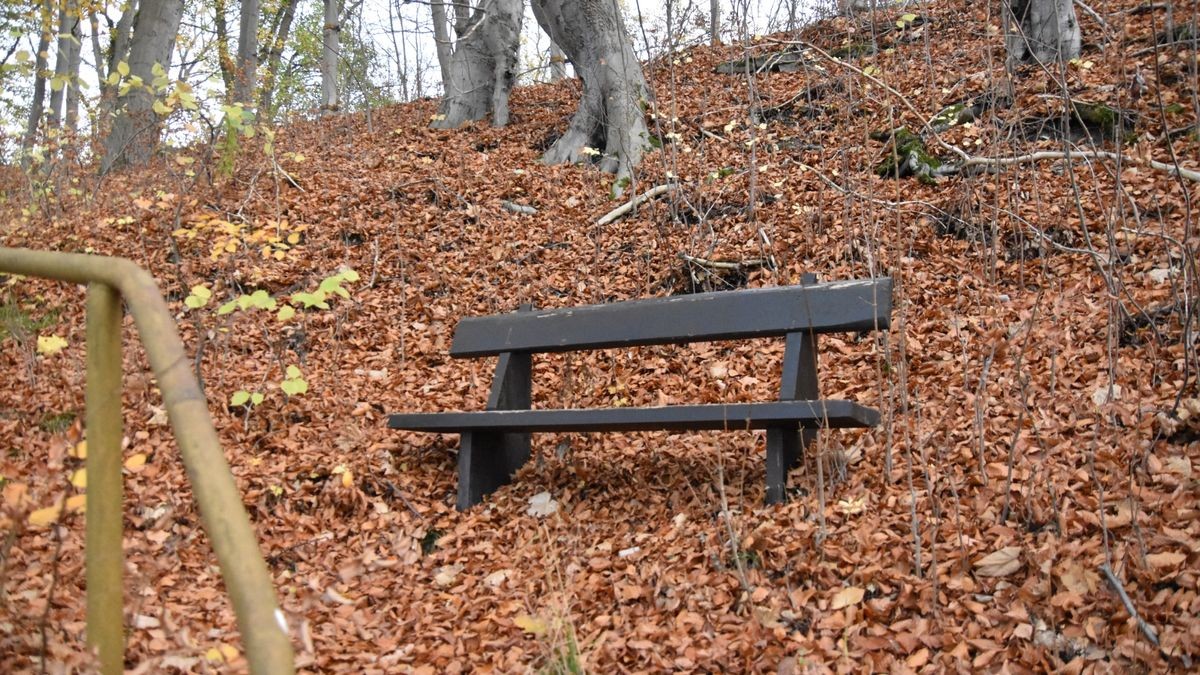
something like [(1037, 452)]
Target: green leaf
[(193, 302), (161, 108), (293, 372), (350, 275), (262, 300), (908, 18), (239, 398), (158, 70), (294, 387), (285, 313), (256, 398), (123, 69), (227, 307)]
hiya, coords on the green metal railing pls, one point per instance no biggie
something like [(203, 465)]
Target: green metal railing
[(259, 618)]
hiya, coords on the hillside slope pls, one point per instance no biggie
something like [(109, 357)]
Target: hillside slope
[(1044, 333)]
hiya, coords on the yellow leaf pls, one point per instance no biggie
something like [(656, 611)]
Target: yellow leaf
[(45, 517), (213, 655), (347, 479), (79, 479), (77, 504), (49, 345), (531, 624), (79, 451), (123, 69), (228, 651), (851, 595), (136, 462)]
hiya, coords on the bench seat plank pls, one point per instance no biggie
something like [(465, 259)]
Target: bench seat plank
[(829, 413), (839, 306)]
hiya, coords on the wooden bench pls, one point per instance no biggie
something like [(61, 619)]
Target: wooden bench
[(496, 441)]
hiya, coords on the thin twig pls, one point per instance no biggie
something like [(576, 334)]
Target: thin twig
[(1147, 629)]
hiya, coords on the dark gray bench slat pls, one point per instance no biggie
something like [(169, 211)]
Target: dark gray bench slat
[(838, 306), (733, 416)]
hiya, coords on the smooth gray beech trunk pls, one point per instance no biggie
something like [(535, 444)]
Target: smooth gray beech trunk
[(483, 65), (331, 99), (67, 53), (558, 63), (610, 117), (441, 38), (714, 22), (135, 128), (1044, 31), (247, 55)]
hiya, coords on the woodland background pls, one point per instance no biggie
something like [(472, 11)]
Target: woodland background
[(1039, 383)]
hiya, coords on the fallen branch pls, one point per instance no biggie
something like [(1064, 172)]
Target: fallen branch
[(737, 265), (518, 208), (1172, 169), (286, 176), (1095, 16), (635, 202)]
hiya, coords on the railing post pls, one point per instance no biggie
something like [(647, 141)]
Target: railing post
[(105, 557)]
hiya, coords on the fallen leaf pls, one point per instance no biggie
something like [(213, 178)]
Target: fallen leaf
[(542, 505), (1166, 559), (49, 345), (1000, 563), (136, 463), (530, 624), (851, 595), (447, 574)]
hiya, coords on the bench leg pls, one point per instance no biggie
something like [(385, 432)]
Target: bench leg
[(783, 450), (487, 460)]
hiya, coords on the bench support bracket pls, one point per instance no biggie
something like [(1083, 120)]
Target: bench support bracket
[(488, 459)]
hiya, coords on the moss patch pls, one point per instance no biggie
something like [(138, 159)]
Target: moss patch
[(906, 156)]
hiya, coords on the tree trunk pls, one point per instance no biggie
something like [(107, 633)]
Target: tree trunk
[(714, 21), (558, 63), (483, 66), (134, 134), (1044, 31), (441, 39), (282, 26), (118, 51), (37, 105), (68, 44), (247, 63), (224, 59), (610, 117), (332, 49), (74, 61)]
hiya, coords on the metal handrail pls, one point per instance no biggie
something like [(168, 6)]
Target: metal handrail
[(261, 622)]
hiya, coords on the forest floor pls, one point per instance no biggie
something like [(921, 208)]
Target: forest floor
[(1036, 383)]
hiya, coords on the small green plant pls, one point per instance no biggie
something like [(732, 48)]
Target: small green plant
[(294, 384), (246, 398)]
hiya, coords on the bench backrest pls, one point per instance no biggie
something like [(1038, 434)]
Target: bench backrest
[(832, 307)]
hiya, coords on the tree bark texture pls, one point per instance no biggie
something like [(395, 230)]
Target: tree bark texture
[(247, 56), (135, 129), (224, 59), (441, 38), (1044, 31), (331, 99), (66, 53), (714, 22), (483, 66), (610, 117), (281, 26), (41, 65), (558, 63)]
